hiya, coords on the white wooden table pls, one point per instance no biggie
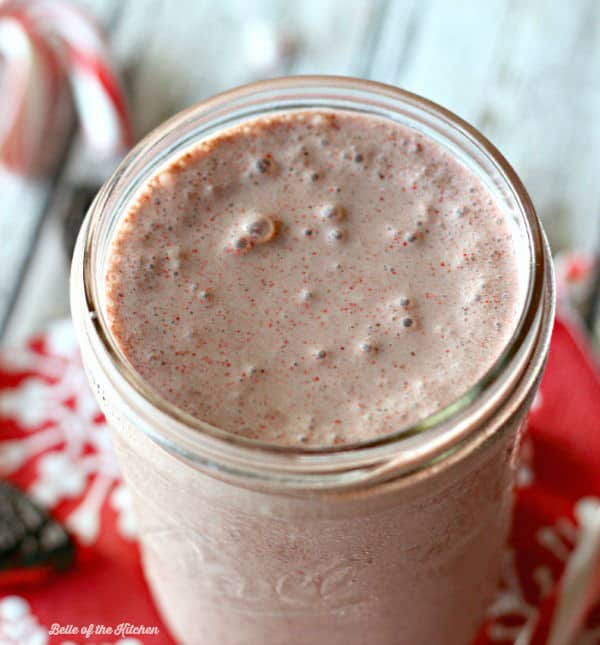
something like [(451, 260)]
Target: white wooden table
[(526, 72)]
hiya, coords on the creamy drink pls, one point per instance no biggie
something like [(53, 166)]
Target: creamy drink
[(316, 283), (314, 278)]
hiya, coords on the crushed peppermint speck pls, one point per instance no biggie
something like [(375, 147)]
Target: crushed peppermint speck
[(315, 278)]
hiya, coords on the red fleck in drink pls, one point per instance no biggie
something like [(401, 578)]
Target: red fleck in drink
[(321, 309)]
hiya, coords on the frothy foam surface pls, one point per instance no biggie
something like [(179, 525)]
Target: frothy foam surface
[(314, 278)]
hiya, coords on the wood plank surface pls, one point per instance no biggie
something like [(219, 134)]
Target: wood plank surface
[(526, 72), (33, 286)]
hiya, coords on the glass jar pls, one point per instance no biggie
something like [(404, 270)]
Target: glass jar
[(397, 540)]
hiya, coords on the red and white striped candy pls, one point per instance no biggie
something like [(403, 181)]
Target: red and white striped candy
[(31, 85), (44, 44)]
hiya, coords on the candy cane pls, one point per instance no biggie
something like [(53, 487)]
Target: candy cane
[(30, 88), (43, 43)]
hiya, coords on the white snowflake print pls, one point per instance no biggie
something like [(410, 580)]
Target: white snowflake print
[(59, 414), (577, 547), (578, 581), (538, 401), (510, 603), (525, 475), (18, 626)]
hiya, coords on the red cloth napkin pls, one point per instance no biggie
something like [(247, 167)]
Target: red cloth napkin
[(54, 444)]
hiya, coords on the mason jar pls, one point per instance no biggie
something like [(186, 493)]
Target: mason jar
[(393, 541)]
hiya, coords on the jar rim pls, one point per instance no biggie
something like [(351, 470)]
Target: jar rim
[(200, 442)]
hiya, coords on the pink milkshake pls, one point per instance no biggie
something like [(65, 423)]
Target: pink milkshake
[(324, 326), (315, 278)]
